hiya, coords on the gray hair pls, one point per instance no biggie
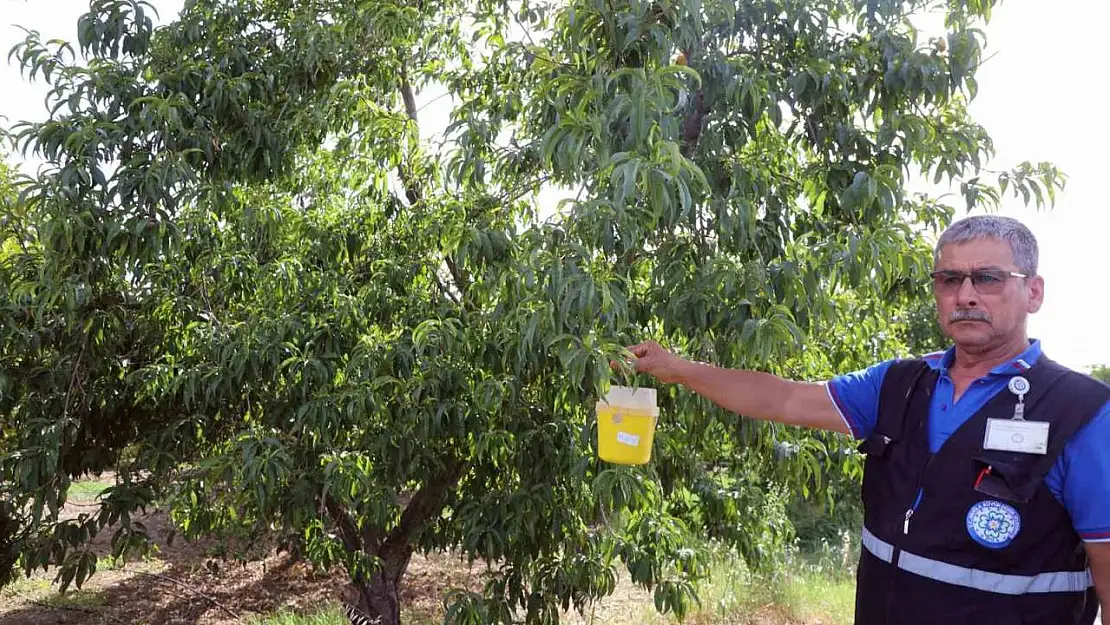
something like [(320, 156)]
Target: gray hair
[(1022, 243)]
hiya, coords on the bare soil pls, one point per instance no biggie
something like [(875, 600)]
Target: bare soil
[(186, 584)]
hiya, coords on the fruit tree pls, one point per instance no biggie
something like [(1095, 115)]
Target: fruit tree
[(250, 281)]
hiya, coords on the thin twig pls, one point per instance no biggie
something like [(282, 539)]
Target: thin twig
[(207, 301), (443, 288), (461, 282), (196, 592), (523, 28), (984, 61), (514, 194), (71, 608), (73, 377), (434, 100)]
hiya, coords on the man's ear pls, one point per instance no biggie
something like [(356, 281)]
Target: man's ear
[(1036, 294)]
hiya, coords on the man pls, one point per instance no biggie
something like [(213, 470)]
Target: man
[(987, 481)]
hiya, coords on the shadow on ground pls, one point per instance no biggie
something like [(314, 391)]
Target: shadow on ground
[(191, 589)]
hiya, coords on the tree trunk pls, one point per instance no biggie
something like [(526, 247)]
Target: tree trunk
[(9, 552), (692, 125), (378, 599)]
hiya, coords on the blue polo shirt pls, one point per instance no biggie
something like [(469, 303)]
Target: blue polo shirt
[(1080, 479)]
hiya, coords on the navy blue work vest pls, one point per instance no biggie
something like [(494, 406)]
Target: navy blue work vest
[(967, 536)]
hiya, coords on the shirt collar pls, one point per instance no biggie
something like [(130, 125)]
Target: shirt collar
[(941, 361)]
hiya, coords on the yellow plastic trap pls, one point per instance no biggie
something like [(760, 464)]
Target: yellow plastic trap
[(626, 420)]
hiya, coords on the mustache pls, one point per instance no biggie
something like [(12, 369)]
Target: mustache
[(970, 314)]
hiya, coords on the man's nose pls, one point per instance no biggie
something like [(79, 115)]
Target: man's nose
[(966, 295)]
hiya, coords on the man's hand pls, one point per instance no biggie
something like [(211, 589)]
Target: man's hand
[(748, 393), (657, 362)]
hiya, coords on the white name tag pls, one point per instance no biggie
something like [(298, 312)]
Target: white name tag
[(1029, 437), (631, 440)]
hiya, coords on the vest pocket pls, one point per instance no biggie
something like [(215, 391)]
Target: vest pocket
[(876, 446), (1003, 480)]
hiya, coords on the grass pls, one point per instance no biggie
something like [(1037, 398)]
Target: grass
[(76, 600), (812, 597), (811, 588), (43, 592), (807, 590), (32, 586), (330, 615), (88, 490), (819, 584)]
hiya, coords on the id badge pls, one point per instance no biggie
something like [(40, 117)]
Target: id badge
[(1029, 437)]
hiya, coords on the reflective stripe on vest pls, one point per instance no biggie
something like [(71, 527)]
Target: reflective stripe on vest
[(1062, 581)]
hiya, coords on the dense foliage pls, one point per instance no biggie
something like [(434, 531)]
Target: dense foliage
[(248, 282), (1101, 373)]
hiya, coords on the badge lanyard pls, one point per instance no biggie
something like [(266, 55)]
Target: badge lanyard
[(1019, 386), (1017, 434)]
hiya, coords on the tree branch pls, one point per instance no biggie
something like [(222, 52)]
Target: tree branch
[(692, 125), (348, 529), (413, 192), (443, 288), (456, 274), (427, 502), (514, 194), (412, 188), (73, 377), (407, 94)]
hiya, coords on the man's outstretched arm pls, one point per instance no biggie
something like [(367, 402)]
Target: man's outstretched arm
[(749, 393)]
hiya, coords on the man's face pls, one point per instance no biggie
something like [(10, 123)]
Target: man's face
[(982, 316)]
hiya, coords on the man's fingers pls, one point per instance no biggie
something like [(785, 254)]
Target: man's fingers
[(626, 362), (644, 357), (637, 351)]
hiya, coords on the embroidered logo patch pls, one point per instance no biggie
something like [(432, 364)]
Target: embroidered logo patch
[(993, 524)]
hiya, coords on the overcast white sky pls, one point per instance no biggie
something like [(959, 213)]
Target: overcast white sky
[(1040, 98)]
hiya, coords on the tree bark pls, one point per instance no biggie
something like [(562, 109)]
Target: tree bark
[(377, 598), (412, 190), (9, 552), (692, 125)]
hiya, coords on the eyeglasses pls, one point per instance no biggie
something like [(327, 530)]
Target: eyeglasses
[(985, 281)]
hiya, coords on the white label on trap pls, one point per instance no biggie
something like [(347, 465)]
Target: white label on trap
[(628, 439)]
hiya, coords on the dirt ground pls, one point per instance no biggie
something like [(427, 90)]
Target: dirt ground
[(186, 585)]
